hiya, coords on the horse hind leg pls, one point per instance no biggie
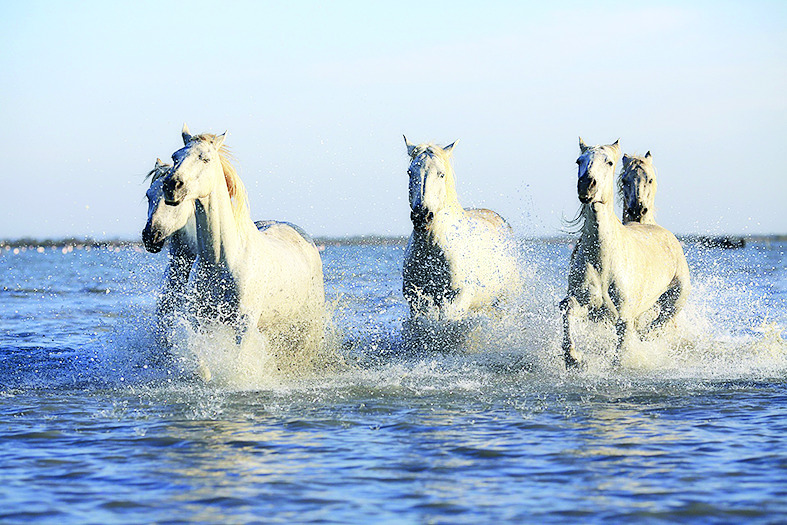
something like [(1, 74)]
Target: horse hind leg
[(669, 304)]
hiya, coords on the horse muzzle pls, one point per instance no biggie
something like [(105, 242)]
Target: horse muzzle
[(636, 212), (421, 218), (585, 189), (153, 241)]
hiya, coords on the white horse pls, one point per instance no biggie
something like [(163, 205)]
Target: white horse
[(457, 260), (271, 280), (618, 271), (637, 189), (177, 224)]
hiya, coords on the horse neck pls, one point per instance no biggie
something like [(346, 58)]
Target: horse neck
[(601, 227), (183, 243), (451, 197), (220, 238), (650, 217), (179, 246)]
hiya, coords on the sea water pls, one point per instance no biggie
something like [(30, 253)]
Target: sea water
[(99, 424)]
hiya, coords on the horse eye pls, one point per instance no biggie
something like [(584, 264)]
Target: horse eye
[(610, 163), (579, 162), (410, 172), (441, 174)]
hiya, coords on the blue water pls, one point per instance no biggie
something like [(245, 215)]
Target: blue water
[(99, 425)]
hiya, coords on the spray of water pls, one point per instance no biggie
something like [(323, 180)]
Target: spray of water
[(366, 343)]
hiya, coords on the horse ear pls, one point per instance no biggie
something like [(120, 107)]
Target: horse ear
[(450, 147), (185, 134), (582, 146), (159, 164), (218, 141), (616, 144), (648, 155), (410, 146), (626, 159)]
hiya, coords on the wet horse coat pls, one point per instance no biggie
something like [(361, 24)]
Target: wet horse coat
[(618, 271), (457, 260), (179, 227), (269, 280)]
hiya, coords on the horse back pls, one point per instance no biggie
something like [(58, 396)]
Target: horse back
[(660, 257), (652, 239), (492, 217), (262, 226)]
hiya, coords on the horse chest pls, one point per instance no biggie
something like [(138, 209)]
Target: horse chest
[(218, 292), (427, 273)]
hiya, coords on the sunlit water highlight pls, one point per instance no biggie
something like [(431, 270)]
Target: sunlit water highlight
[(98, 424)]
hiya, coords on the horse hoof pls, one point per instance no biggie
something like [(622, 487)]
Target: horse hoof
[(573, 364)]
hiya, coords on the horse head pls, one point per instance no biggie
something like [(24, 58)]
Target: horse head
[(196, 170), (163, 220), (432, 183), (596, 172), (637, 188)]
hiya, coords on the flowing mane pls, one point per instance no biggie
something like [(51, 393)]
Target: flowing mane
[(575, 225), (159, 171), (235, 187)]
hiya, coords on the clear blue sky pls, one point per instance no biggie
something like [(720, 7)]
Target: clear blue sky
[(316, 97)]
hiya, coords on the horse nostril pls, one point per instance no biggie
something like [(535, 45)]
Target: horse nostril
[(644, 211), (421, 216)]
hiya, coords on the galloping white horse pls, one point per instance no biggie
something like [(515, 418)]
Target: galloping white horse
[(271, 279), (177, 224), (618, 271), (637, 189), (457, 261)]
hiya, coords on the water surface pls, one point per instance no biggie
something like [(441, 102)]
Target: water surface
[(98, 425)]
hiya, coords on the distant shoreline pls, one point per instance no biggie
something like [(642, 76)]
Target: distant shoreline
[(720, 241)]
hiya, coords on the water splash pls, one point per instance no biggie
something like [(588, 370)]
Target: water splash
[(725, 332)]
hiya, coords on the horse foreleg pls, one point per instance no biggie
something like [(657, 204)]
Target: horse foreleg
[(624, 329), (241, 326), (573, 358), (459, 305)]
